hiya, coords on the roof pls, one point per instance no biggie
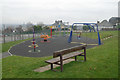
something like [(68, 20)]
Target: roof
[(114, 20), (105, 23), (59, 22)]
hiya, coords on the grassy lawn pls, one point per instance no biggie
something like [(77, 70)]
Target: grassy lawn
[(92, 35), (103, 34), (0, 69), (5, 47), (102, 62)]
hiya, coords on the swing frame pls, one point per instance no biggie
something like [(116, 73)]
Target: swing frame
[(88, 24)]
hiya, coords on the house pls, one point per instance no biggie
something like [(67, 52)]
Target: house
[(57, 23), (19, 29), (8, 30), (114, 21), (104, 24)]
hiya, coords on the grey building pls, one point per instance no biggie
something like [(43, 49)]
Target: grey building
[(19, 29), (104, 24), (59, 22), (114, 21)]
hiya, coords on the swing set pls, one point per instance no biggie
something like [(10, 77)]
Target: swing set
[(88, 24)]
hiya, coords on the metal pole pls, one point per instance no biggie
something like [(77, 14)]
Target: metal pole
[(59, 29), (14, 37), (70, 37), (51, 32), (34, 38), (99, 41), (4, 34), (56, 30), (93, 28), (67, 27), (22, 36), (11, 36), (64, 30)]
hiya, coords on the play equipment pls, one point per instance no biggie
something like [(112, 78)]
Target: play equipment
[(57, 30), (45, 34), (93, 28), (34, 45), (88, 24), (51, 31), (45, 37), (79, 35), (61, 30), (34, 39)]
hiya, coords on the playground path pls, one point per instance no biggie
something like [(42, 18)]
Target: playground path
[(45, 68), (4, 55), (47, 48)]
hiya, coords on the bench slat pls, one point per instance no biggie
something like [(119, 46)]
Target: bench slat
[(57, 59), (68, 50)]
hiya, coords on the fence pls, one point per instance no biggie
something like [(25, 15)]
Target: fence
[(14, 36)]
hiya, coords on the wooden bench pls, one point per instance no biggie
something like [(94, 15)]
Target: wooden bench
[(61, 55)]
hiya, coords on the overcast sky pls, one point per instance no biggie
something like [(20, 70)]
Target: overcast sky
[(47, 11)]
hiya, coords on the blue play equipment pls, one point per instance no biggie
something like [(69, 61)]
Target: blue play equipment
[(59, 29), (89, 27), (59, 26), (88, 24), (93, 28)]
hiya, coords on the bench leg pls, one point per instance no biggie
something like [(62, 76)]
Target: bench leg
[(61, 63), (51, 66), (75, 58), (85, 54), (61, 67)]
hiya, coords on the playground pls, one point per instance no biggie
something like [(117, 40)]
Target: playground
[(101, 61), (31, 54), (47, 48), (46, 45)]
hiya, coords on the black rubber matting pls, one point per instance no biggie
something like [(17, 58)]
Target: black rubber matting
[(47, 48)]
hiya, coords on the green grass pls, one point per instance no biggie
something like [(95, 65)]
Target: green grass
[(0, 69), (102, 62), (5, 47), (0, 47), (103, 34), (92, 35)]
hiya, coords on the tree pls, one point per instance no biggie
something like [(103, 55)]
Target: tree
[(74, 27), (19, 29), (29, 30), (8, 30), (37, 27), (85, 27), (46, 27)]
